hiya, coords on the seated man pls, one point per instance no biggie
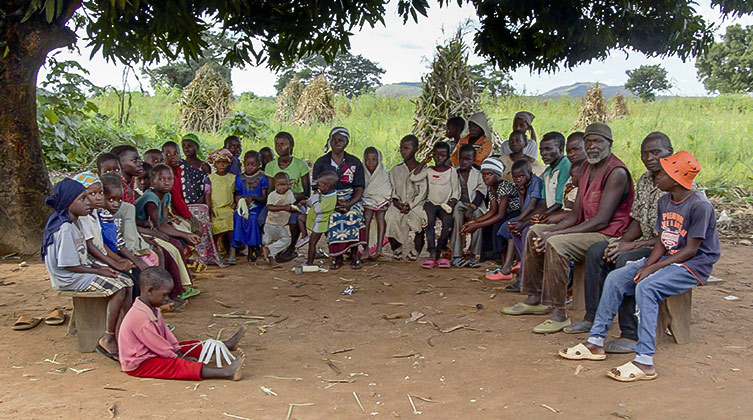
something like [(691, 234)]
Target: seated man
[(602, 210), (635, 244), (681, 259)]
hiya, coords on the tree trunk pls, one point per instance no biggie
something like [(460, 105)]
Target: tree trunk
[(24, 182)]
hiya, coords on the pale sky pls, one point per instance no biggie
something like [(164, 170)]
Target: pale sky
[(405, 51)]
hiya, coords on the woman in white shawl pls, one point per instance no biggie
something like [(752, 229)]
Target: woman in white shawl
[(376, 198)]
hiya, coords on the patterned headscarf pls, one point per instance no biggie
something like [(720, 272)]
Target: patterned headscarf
[(220, 154), (494, 165), (87, 178), (525, 116), (337, 130)]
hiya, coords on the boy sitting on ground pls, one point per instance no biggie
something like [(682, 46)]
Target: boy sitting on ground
[(683, 258), (148, 349)]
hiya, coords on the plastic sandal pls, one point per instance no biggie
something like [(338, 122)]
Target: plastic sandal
[(497, 275), (429, 264), (444, 263), (472, 264), (515, 268)]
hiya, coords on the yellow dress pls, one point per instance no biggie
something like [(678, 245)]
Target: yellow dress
[(223, 189)]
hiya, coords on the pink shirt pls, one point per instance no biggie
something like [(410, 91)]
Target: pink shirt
[(144, 335)]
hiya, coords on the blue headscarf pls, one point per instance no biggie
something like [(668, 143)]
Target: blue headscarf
[(63, 194)]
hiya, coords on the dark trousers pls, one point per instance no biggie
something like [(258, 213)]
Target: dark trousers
[(434, 212), (596, 273)]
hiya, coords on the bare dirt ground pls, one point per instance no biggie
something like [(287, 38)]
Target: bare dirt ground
[(493, 368)]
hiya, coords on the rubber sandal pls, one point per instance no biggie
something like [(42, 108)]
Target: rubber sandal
[(578, 328), (412, 255), (459, 262), (397, 254), (521, 308), (621, 346), (356, 265), (444, 263), (335, 265), (429, 264), (515, 268), (551, 326), (25, 323), (231, 261), (56, 317), (497, 275), (189, 292), (513, 288), (630, 373), (112, 356), (472, 264), (580, 352)]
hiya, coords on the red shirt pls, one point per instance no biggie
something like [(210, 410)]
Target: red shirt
[(589, 196), (179, 203)]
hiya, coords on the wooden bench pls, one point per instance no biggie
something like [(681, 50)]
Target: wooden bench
[(674, 313), (89, 318)]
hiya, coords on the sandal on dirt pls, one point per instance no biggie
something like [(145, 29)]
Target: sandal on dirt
[(56, 317), (26, 323), (578, 328), (412, 255), (521, 308), (335, 264), (356, 265), (444, 263), (101, 350), (630, 373), (472, 264), (580, 352), (551, 326), (189, 292), (429, 264), (621, 346), (231, 261), (515, 268)]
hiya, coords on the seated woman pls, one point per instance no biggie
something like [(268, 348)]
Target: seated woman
[(504, 201), (479, 136), (346, 228), (190, 146)]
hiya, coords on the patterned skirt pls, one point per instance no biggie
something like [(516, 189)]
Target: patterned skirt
[(205, 248), (346, 230), (108, 285)]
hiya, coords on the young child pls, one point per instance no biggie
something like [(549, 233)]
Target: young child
[(233, 145), (517, 142), (250, 196), (108, 163), (221, 200), (144, 182), (406, 216), (376, 199), (453, 129), (321, 205), (523, 121), (148, 349), (266, 155), (529, 188), (443, 193), (131, 169), (154, 157), (190, 145), (113, 239), (681, 260), (67, 261), (470, 205), (280, 203)]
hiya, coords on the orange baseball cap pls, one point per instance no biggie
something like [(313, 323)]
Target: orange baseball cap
[(682, 167)]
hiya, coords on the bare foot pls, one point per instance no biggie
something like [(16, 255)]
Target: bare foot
[(594, 348), (237, 365), (232, 342)]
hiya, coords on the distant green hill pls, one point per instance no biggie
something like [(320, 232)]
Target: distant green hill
[(578, 90), (403, 89)]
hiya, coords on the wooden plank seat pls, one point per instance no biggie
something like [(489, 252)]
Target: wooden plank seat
[(89, 318)]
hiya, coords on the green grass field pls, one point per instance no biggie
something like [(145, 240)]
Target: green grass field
[(715, 130)]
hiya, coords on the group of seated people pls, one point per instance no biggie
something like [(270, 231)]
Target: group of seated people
[(137, 227)]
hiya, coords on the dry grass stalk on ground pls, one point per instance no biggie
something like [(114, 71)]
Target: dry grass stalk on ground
[(205, 102)]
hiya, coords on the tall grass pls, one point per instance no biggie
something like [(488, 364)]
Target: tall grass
[(716, 130)]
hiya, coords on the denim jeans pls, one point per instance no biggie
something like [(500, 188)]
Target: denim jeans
[(669, 281)]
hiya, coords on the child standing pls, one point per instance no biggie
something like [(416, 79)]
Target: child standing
[(279, 205), (681, 260), (470, 205), (148, 349), (321, 205), (443, 193), (250, 196), (406, 216), (376, 198), (221, 200), (67, 261)]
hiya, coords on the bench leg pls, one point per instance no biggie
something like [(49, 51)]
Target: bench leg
[(579, 284), (90, 318), (675, 313)]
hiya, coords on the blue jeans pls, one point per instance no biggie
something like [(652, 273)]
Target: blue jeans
[(669, 281)]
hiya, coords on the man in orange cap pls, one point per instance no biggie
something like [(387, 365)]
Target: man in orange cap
[(682, 259)]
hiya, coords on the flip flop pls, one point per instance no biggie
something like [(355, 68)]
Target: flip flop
[(521, 308), (25, 323), (56, 317), (630, 373), (189, 292), (472, 264), (580, 352), (112, 356), (621, 346)]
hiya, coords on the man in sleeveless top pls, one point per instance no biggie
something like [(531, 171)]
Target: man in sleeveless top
[(602, 210)]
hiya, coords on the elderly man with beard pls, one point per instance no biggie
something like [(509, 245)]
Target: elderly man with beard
[(602, 210), (635, 244)]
